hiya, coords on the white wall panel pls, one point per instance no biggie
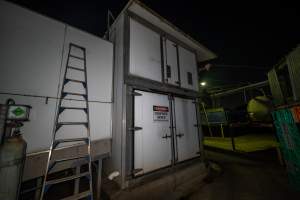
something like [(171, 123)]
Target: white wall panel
[(30, 51), (188, 67), (145, 53), (99, 61)]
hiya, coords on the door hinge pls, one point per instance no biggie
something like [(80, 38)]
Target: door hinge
[(134, 93), (196, 125), (136, 128)]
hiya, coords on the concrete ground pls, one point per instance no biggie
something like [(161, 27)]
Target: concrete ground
[(246, 180), (233, 178)]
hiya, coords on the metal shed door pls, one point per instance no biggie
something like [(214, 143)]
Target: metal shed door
[(186, 138), (171, 64), (152, 143)]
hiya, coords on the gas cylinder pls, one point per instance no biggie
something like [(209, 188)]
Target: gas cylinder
[(12, 157)]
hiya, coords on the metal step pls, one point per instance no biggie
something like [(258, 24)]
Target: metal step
[(62, 108), (74, 80), (77, 46), (69, 178), (54, 162), (79, 196), (72, 158), (59, 141), (75, 68), (73, 93), (77, 57), (72, 123)]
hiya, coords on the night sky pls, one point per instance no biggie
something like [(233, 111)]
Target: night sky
[(248, 37)]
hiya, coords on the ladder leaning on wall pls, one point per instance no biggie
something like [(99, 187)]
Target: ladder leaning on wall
[(77, 176)]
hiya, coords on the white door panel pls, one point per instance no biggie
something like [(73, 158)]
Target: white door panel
[(151, 150), (171, 64), (187, 141), (145, 52), (188, 69)]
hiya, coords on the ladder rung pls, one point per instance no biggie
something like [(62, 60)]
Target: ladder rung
[(60, 124), (78, 196), (61, 109), (72, 123), (74, 93), (56, 181), (54, 162), (74, 80), (71, 158), (76, 68), (85, 139), (77, 46), (77, 57)]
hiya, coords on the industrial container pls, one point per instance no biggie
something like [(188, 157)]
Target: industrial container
[(143, 90), (155, 116)]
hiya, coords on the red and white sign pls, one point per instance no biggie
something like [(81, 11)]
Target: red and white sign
[(160, 113)]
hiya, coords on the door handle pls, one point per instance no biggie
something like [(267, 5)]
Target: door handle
[(180, 135), (166, 136)]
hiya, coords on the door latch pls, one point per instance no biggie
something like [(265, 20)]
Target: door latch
[(166, 136)]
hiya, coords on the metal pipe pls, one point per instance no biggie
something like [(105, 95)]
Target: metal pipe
[(228, 92)]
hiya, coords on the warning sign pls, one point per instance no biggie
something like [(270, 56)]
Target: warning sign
[(160, 113)]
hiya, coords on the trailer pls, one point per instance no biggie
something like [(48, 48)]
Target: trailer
[(156, 122)]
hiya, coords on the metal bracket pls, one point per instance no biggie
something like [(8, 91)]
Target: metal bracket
[(135, 171), (136, 128)]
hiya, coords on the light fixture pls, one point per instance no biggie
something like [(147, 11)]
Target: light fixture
[(203, 83)]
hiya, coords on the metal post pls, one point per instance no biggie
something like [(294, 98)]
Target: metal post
[(39, 182), (76, 184), (232, 137), (222, 131), (99, 177), (209, 130)]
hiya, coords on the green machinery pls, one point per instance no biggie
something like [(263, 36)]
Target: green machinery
[(284, 81)]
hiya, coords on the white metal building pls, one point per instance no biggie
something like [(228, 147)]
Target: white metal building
[(143, 86), (155, 119)]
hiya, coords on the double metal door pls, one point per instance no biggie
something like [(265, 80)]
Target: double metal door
[(167, 131)]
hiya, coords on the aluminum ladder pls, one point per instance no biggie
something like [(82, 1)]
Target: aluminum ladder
[(67, 142)]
